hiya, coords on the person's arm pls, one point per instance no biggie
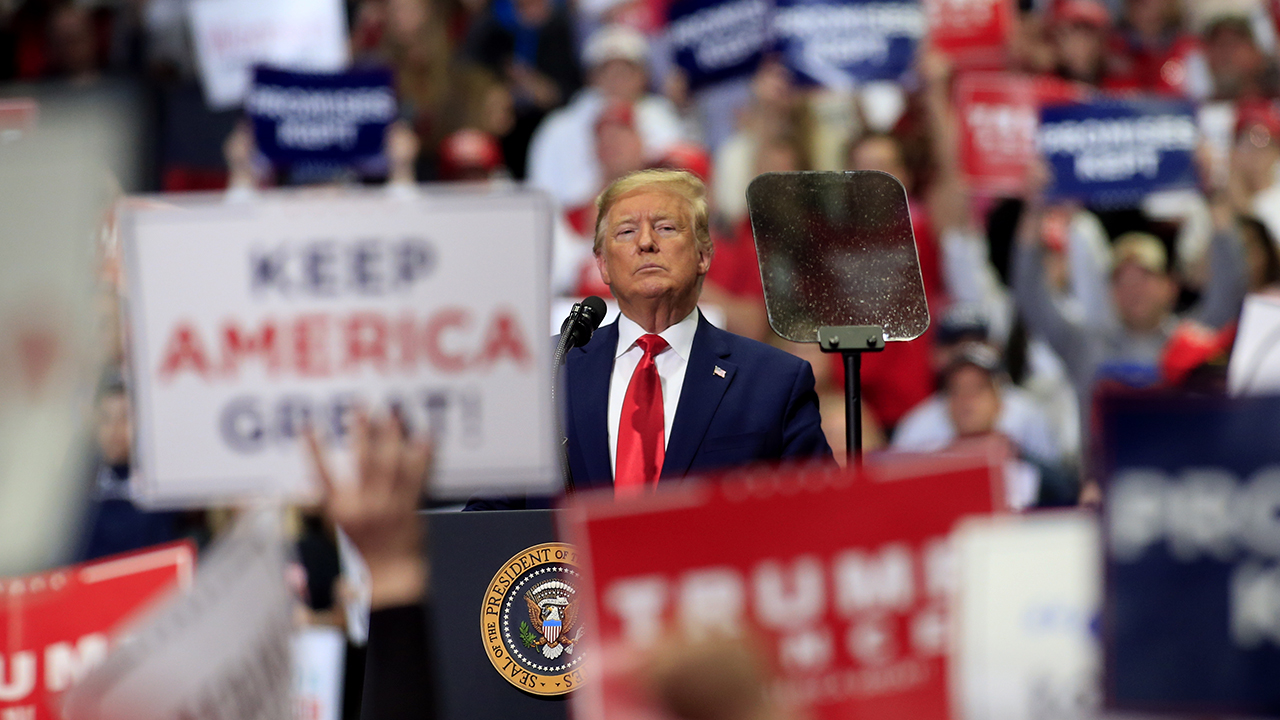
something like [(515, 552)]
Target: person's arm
[(378, 511), (1088, 257), (1226, 288), (1032, 295), (972, 282)]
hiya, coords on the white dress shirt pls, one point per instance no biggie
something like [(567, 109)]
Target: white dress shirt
[(671, 364)]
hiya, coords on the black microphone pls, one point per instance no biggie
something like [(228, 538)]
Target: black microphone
[(582, 322), (576, 331)]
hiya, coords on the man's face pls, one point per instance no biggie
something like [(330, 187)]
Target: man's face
[(1142, 298), (1233, 59), (619, 149), (620, 80), (1254, 158), (973, 401), (649, 250), (1080, 48), (883, 154)]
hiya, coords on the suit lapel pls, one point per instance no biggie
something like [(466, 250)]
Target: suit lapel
[(699, 398), (589, 371)]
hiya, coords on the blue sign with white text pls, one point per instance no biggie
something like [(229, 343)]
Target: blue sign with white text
[(1191, 505), (842, 43), (328, 118), (1116, 152), (718, 40)]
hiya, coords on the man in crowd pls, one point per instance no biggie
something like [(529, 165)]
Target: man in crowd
[(661, 393), (944, 417), (561, 158), (1143, 291)]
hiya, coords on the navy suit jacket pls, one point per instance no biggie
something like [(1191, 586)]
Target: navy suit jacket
[(763, 408)]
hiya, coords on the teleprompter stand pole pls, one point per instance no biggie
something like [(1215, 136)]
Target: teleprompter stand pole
[(851, 341)]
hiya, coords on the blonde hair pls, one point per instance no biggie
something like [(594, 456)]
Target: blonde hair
[(679, 182)]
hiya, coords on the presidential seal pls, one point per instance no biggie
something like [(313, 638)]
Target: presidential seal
[(530, 621)]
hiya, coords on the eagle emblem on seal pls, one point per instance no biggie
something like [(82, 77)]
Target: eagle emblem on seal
[(553, 615)]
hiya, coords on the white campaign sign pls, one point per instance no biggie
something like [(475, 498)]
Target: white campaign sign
[(1254, 368), (231, 36), (250, 321), (1024, 641)]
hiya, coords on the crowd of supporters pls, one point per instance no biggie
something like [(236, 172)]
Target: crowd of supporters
[(1037, 306)]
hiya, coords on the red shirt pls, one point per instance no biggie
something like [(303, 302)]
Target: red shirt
[(735, 268)]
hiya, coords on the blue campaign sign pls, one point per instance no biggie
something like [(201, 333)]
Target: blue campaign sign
[(331, 118), (718, 40), (841, 43), (1115, 152), (1192, 525)]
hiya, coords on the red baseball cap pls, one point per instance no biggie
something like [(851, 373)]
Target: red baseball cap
[(1260, 119), (469, 150)]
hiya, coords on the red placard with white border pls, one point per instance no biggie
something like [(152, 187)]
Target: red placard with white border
[(973, 33), (840, 580), (999, 114), (57, 625)]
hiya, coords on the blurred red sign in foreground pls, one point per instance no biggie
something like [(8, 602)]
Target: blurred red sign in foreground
[(840, 582), (999, 115), (57, 625)]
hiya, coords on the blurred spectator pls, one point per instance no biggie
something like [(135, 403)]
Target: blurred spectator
[(1238, 67), (480, 100), (619, 150), (1255, 163), (884, 152), (532, 45), (561, 161), (1153, 50), (977, 398), (775, 114), (1127, 345), (734, 280), (1078, 34), (59, 38), (113, 523), (1262, 257), (975, 402), (411, 37)]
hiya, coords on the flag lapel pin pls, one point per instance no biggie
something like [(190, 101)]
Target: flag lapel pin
[(718, 372)]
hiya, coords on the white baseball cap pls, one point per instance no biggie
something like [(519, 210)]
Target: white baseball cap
[(615, 42)]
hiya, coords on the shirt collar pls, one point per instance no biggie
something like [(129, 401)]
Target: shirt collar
[(678, 336)]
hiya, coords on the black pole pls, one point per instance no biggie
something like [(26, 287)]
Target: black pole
[(566, 472), (853, 407)]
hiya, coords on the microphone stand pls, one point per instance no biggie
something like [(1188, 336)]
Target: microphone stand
[(851, 341), (562, 348)]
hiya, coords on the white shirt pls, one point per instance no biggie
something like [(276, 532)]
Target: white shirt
[(564, 166), (671, 364), (928, 428)]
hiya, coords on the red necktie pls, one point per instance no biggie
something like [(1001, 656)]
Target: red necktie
[(640, 429)]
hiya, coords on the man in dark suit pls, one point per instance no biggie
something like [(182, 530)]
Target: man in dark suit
[(661, 393)]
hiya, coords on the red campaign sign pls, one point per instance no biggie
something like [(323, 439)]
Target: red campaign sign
[(999, 114), (56, 625), (973, 33), (840, 581)]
